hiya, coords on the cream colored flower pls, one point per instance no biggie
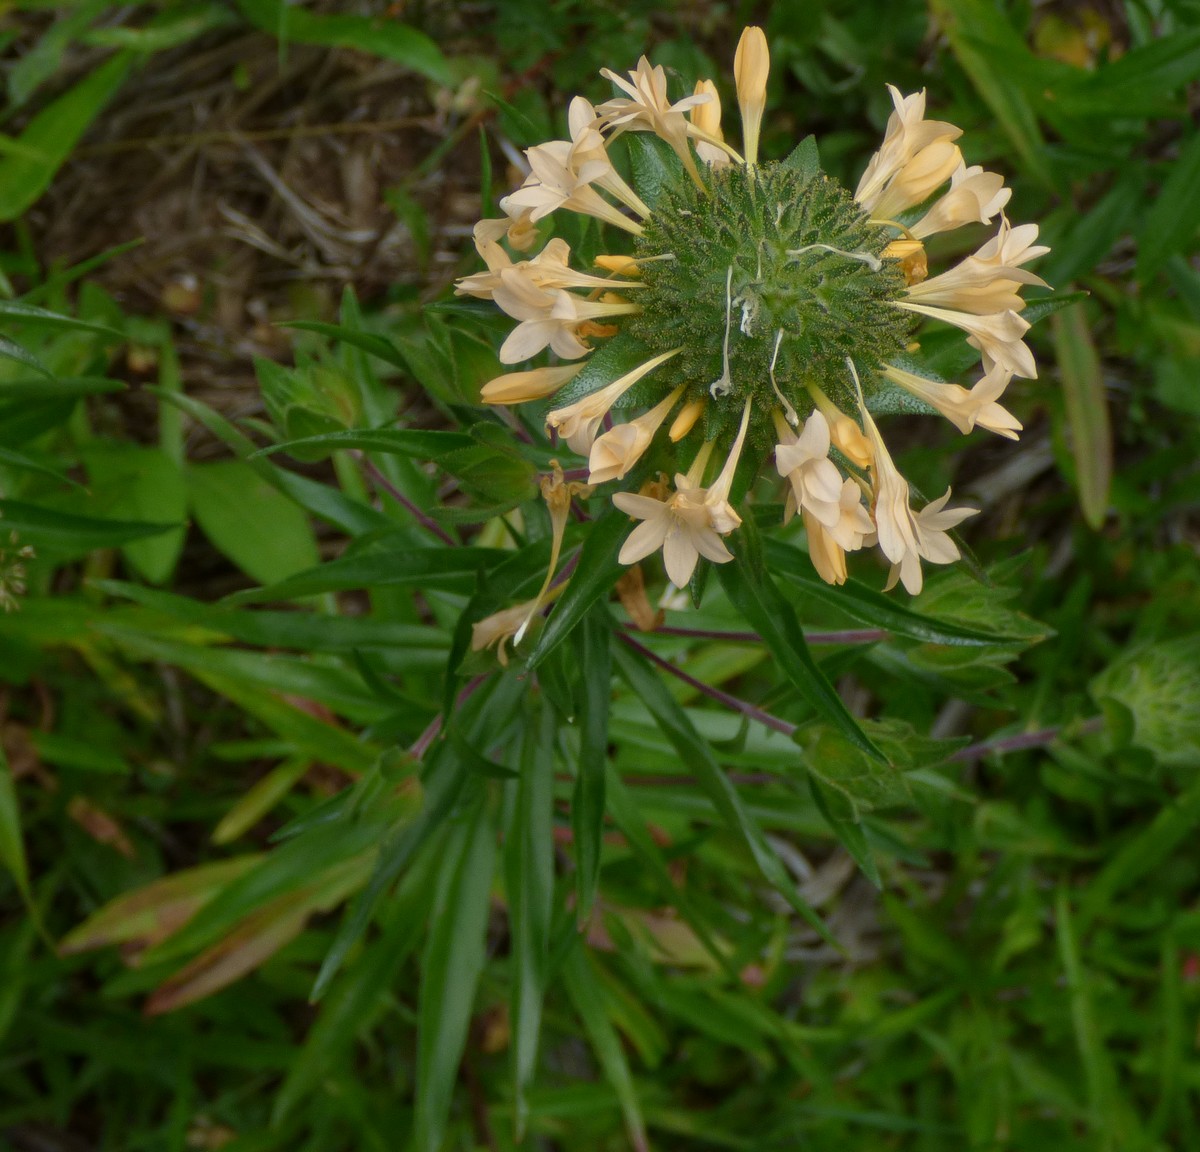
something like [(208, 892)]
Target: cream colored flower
[(548, 317), (997, 336), (588, 145), (975, 196), (578, 423), (751, 66), (706, 126), (681, 525), (934, 545), (827, 546), (686, 419), (497, 629), (923, 175), (620, 448), (827, 555), (844, 433), (804, 461), (913, 150), (520, 387), (558, 495), (561, 177), (550, 268), (647, 108), (907, 537), (724, 517), (520, 232), (690, 523), (990, 280), (964, 409)]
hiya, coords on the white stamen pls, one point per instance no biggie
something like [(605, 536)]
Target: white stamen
[(724, 384), (749, 314), (854, 376), (788, 411), (869, 259)]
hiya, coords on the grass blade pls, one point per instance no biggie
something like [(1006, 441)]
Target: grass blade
[(1087, 412), (594, 646), (694, 752), (452, 964), (529, 868)]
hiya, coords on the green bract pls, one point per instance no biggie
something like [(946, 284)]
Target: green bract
[(790, 266)]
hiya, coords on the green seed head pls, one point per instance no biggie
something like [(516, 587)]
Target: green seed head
[(773, 274)]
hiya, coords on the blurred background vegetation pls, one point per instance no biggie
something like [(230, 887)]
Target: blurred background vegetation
[(303, 877)]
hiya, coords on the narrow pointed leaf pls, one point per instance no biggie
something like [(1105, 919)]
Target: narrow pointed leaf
[(594, 577), (698, 756), (529, 867), (451, 966), (594, 645), (1087, 413), (755, 595)]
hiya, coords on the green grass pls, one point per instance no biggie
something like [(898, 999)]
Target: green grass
[(285, 865)]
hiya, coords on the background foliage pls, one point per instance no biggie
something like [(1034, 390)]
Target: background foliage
[(285, 866)]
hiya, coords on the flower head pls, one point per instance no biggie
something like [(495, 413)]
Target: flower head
[(753, 305)]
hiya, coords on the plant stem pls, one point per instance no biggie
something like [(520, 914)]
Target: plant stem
[(850, 636), (426, 522), (1023, 740), (744, 707), (418, 750)]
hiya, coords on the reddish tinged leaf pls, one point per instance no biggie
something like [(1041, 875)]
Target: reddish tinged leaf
[(151, 914)]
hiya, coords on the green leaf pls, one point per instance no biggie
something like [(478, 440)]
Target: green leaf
[(141, 483), (249, 521), (529, 879), (697, 755), (1174, 215), (321, 500), (1145, 851), (12, 847), (862, 783), (170, 29), (42, 388), (421, 445), (442, 785), (1087, 413), (593, 647), (1042, 306), (67, 534), (613, 359), (655, 166), (588, 996), (850, 833), (754, 594), (451, 966), (145, 913), (453, 569), (804, 158), (1097, 1066), (362, 995), (1092, 234), (982, 38), (381, 35), (874, 608), (22, 462), (594, 577), (31, 314), (11, 350), (370, 342), (259, 799), (53, 133), (1137, 83)]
